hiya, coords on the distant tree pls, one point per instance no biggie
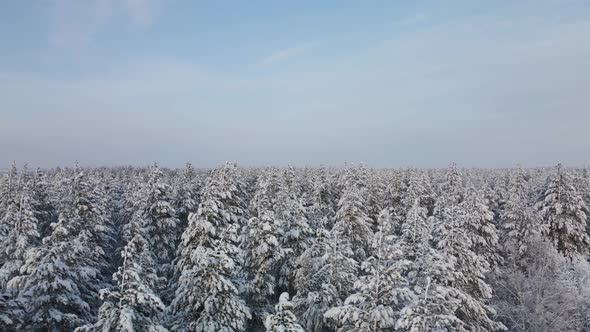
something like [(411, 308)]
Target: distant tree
[(9, 196), (563, 212), (161, 220), (478, 223), (187, 196), (352, 221), (294, 230), (519, 220)]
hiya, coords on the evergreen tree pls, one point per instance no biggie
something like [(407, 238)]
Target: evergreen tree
[(478, 223), (132, 305), (294, 230), (64, 274), (23, 237), (187, 197), (207, 295), (161, 221), (11, 313), (325, 277), (9, 192), (431, 275), (563, 212), (352, 221), (436, 305), (261, 251), (418, 187), (469, 276), (54, 289), (283, 320), (519, 219), (321, 208), (380, 293), (43, 206)]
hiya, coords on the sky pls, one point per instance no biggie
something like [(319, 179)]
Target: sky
[(388, 83)]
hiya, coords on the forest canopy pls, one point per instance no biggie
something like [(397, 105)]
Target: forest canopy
[(294, 249)]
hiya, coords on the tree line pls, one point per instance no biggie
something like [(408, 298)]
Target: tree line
[(294, 249)]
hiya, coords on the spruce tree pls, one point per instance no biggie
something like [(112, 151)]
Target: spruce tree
[(380, 293), (519, 219), (64, 273), (186, 197), (352, 221), (325, 277), (563, 212), (283, 320), (161, 220), (207, 296), (132, 305), (9, 196), (478, 223), (24, 237), (261, 251), (294, 230), (431, 275)]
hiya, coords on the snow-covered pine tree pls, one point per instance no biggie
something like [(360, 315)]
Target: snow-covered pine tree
[(431, 275), (563, 212), (24, 236), (44, 207), (11, 313), (395, 193), (9, 192), (381, 292), (321, 209), (352, 221), (187, 195), (452, 186), (376, 194), (294, 230), (456, 236), (53, 291), (64, 274), (478, 223), (283, 320), (132, 305), (418, 187), (207, 296), (325, 276), (519, 220), (161, 221), (435, 307), (469, 283), (447, 209), (415, 234), (261, 251)]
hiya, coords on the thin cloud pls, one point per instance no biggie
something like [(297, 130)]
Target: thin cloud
[(74, 24), (288, 53)]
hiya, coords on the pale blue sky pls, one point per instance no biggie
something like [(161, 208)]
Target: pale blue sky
[(389, 83)]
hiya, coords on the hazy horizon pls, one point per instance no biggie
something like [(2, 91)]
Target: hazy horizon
[(390, 84)]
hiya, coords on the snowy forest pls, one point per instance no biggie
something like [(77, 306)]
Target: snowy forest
[(288, 249)]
